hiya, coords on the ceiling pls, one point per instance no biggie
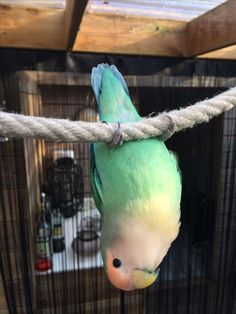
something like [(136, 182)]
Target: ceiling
[(196, 28), (162, 9), (56, 4)]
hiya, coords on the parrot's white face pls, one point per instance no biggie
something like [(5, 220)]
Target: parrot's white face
[(133, 258)]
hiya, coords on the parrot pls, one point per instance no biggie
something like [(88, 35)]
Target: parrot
[(136, 186)]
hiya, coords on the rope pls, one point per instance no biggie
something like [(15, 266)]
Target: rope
[(62, 130)]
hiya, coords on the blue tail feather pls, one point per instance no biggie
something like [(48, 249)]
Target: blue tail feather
[(112, 95), (115, 71), (96, 78)]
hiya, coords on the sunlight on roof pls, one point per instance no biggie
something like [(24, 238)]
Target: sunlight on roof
[(163, 9), (55, 4)]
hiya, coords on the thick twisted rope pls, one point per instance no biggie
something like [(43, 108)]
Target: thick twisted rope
[(61, 130)]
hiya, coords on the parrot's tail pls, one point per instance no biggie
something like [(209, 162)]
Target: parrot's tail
[(112, 95), (96, 78)]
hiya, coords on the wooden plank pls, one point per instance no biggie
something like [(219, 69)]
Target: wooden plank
[(28, 82), (56, 29), (227, 53), (212, 30), (74, 13), (159, 80), (22, 27), (131, 35)]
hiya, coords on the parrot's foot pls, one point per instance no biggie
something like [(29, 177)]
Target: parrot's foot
[(152, 114), (170, 130), (117, 138)]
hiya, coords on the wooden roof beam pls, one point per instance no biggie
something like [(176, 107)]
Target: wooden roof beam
[(23, 27), (213, 30), (227, 53), (73, 16), (113, 33), (40, 28)]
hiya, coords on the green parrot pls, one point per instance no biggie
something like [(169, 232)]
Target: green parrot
[(137, 189)]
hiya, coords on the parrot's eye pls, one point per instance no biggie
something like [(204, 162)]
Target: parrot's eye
[(116, 263)]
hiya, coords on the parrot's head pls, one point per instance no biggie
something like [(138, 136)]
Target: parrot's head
[(132, 257)]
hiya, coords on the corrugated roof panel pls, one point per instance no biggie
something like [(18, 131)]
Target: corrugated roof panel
[(55, 4), (163, 9)]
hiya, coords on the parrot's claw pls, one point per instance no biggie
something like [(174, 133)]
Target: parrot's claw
[(117, 138), (150, 115), (170, 130)]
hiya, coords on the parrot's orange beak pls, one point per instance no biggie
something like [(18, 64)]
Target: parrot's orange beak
[(143, 278)]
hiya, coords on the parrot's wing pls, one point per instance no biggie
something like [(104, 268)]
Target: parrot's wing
[(95, 181)]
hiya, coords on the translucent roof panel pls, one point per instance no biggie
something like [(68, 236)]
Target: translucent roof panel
[(55, 4), (163, 9)]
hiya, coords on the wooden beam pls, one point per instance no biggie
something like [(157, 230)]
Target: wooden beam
[(22, 27), (130, 35), (158, 80), (74, 13), (212, 30), (227, 53)]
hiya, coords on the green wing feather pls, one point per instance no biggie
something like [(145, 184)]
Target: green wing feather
[(114, 104)]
